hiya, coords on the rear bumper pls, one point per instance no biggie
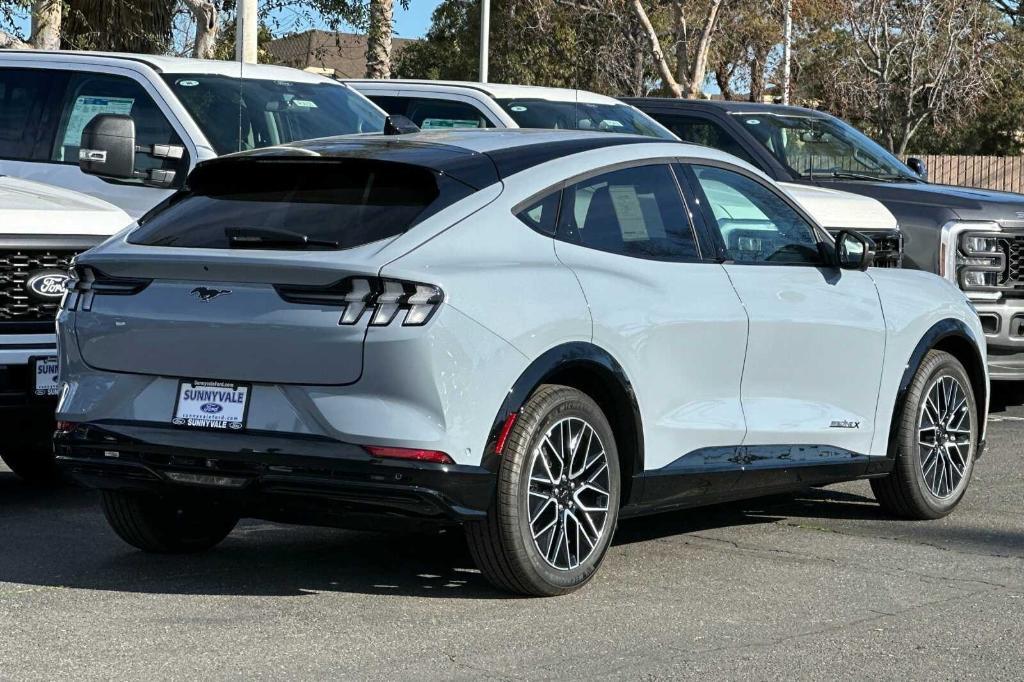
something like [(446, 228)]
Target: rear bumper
[(318, 481)]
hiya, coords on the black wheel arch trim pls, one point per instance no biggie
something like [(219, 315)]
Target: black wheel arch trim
[(942, 330), (556, 360)]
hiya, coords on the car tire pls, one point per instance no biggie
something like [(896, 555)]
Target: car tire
[(33, 463), (936, 443), (535, 505), (166, 526)]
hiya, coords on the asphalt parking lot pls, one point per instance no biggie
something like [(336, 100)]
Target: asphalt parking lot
[(815, 585)]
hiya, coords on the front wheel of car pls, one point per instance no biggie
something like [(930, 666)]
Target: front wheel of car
[(936, 443), (166, 526), (557, 499)]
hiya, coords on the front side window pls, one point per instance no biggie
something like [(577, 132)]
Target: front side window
[(635, 212), (755, 224), (24, 95), (90, 95), (612, 118), (819, 146), (298, 205), (704, 132), (236, 114)]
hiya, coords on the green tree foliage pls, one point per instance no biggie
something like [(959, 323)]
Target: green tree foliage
[(596, 46)]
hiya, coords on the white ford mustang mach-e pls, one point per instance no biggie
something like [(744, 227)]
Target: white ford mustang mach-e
[(531, 334)]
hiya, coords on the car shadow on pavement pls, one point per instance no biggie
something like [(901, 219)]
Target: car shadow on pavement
[(819, 503), (57, 537)]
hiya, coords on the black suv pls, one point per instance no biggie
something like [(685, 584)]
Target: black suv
[(973, 237)]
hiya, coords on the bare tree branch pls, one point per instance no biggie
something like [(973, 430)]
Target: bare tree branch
[(656, 52), (10, 42), (205, 13)]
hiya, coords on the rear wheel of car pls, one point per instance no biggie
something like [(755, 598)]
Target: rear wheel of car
[(34, 463), (936, 443), (166, 526), (557, 500)]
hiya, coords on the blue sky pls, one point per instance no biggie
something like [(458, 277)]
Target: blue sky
[(414, 22), (409, 23)]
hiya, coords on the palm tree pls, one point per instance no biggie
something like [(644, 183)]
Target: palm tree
[(378, 39), (118, 25)]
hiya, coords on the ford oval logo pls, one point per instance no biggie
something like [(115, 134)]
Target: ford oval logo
[(48, 284), (211, 408)]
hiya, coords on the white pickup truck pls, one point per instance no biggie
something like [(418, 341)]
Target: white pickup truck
[(41, 229), (173, 113)]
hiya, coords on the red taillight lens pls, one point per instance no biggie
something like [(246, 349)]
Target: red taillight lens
[(66, 427), (410, 453), (384, 300)]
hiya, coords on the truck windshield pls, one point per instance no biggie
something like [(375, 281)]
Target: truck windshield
[(820, 146), (612, 118), (238, 114)]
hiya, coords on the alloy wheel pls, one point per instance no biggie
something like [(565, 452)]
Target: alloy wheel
[(568, 501), (944, 437)]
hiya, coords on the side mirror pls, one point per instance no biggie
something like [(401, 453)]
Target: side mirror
[(854, 251), (396, 124), (919, 167), (108, 147), (108, 150)]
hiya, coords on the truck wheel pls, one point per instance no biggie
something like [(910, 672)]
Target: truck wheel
[(33, 463), (936, 445), (166, 526), (557, 499)]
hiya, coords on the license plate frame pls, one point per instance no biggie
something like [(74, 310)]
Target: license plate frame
[(49, 389), (186, 416)]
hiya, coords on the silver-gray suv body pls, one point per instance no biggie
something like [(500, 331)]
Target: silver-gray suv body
[(528, 333)]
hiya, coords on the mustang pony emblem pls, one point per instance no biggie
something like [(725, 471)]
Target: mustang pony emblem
[(207, 294)]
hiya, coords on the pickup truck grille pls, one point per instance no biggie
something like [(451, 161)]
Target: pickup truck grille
[(18, 306), (888, 248), (1013, 247)]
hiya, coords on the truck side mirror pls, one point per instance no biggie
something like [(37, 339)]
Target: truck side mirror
[(108, 147), (108, 150), (919, 167)]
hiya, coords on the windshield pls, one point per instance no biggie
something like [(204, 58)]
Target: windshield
[(819, 146), (239, 114), (612, 118)]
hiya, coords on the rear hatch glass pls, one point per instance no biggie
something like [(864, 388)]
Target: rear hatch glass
[(297, 204)]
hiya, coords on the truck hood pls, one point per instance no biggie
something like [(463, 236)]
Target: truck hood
[(28, 207), (966, 203), (835, 209)]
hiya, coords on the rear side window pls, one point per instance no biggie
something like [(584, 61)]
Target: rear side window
[(634, 212), (704, 132), (287, 204), (434, 114), (24, 111), (542, 214)]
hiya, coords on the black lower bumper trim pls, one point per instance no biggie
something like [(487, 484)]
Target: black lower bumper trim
[(341, 487)]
